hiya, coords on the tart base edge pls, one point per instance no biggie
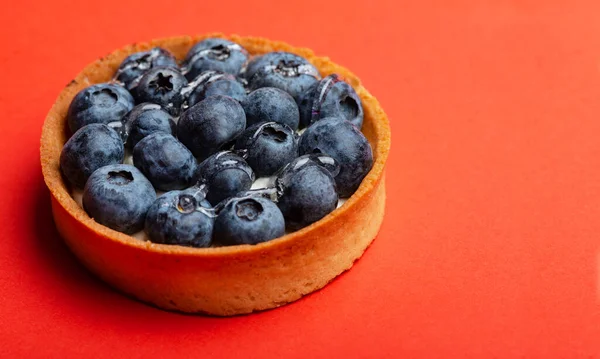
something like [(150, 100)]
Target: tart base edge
[(232, 283)]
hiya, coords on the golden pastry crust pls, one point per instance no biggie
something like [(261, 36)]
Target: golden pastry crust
[(224, 280)]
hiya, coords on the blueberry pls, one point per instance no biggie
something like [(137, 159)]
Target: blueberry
[(162, 86), (268, 60), (146, 119), (248, 221), (257, 62), (331, 97), (307, 194), (271, 104), (211, 124), (212, 83), (214, 54), (180, 217), (101, 103), (285, 174), (225, 174), (269, 146), (91, 147), (346, 144), (136, 65), (226, 87), (282, 70), (118, 196), (166, 162)]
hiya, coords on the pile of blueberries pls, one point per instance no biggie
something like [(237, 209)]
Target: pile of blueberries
[(201, 132)]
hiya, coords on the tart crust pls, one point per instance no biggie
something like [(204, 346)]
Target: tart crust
[(222, 280)]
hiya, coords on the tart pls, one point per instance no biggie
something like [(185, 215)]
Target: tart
[(229, 280)]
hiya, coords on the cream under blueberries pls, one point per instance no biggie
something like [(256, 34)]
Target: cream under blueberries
[(224, 148)]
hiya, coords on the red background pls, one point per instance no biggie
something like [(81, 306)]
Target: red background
[(490, 246)]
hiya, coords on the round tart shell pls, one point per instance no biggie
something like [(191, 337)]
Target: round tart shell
[(222, 280)]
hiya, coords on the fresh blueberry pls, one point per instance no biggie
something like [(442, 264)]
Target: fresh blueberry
[(118, 196), (162, 86), (331, 97), (136, 65), (146, 119), (307, 193), (270, 59), (213, 83), (269, 146), (257, 62), (282, 70), (166, 162), (101, 103), (211, 124), (91, 147), (180, 217), (248, 220), (344, 142), (214, 54), (285, 174), (271, 104), (225, 174)]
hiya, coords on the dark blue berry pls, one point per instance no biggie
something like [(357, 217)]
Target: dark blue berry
[(225, 174), (180, 217), (307, 193), (162, 86), (211, 124), (257, 62), (165, 161), (344, 142), (91, 147), (101, 103), (214, 54), (136, 65), (248, 221), (270, 59), (268, 146), (331, 97), (146, 119), (271, 104), (118, 196), (212, 83), (285, 174), (282, 70)]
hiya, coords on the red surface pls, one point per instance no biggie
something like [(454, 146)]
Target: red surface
[(491, 243)]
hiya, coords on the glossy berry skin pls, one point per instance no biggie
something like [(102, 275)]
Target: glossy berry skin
[(248, 221), (137, 64), (269, 59), (214, 54), (269, 104), (269, 146), (91, 147), (344, 142), (165, 161), (331, 97), (225, 174), (180, 217), (118, 196), (101, 103), (211, 124), (307, 194), (286, 71), (225, 85), (285, 174), (161, 86), (146, 119)]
